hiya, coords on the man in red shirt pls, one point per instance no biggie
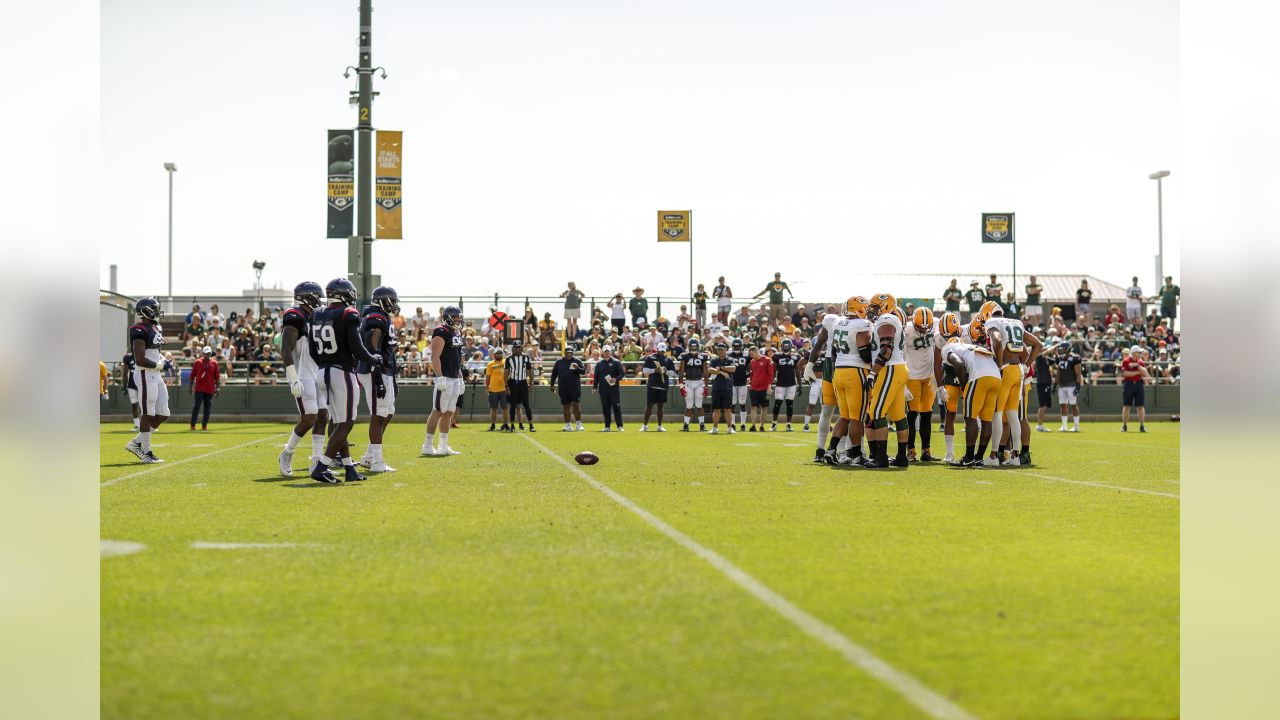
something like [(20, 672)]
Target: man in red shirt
[(761, 376), (205, 381), (1133, 372)]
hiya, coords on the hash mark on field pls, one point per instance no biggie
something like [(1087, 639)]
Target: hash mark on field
[(911, 689), (200, 545), (1097, 484), (165, 466), (116, 548)]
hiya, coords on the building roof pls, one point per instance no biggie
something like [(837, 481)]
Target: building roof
[(1058, 288)]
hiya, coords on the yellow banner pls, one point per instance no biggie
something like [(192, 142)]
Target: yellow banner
[(388, 195), (675, 225)]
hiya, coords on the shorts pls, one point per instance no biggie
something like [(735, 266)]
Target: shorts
[(570, 394), (784, 392), (851, 391), (953, 398), (1044, 394), (656, 396), (777, 310), (1135, 395), (724, 305), (384, 406), (447, 395), (1034, 311), (741, 394), (1169, 312), (313, 399), (1010, 397), (922, 394), (518, 392), (888, 395), (1067, 395), (572, 313), (153, 396), (1133, 311), (1083, 309), (721, 396), (980, 398), (760, 398), (497, 400), (341, 392), (693, 394), (133, 395), (815, 392)]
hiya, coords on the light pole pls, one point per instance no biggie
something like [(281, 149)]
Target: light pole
[(171, 168), (1159, 178), (258, 265)]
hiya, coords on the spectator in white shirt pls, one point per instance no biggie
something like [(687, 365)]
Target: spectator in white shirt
[(1133, 302)]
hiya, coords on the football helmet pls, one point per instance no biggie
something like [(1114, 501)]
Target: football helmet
[(340, 290), (880, 304), (985, 311), (922, 318), (737, 343), (386, 299), (149, 308), (694, 345), (949, 325), (856, 306), (451, 315), (902, 316), (955, 339), (308, 294), (787, 345), (976, 334)]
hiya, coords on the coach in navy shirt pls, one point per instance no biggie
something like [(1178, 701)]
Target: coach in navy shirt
[(567, 374), (608, 373)]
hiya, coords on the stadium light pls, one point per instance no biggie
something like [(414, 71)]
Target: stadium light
[(1159, 177)]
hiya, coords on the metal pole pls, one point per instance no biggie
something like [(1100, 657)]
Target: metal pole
[(1159, 234), (691, 260), (364, 147), (170, 241), (1013, 229)]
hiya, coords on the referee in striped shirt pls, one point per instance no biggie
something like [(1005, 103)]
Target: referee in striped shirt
[(519, 367)]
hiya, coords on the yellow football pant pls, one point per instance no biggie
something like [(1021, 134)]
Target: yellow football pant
[(953, 397), (922, 395), (1010, 396), (888, 394), (980, 398), (851, 392)]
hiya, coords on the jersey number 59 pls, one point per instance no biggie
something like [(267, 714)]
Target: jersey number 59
[(325, 339)]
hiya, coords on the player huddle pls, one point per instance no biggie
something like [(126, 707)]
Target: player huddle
[(882, 370)]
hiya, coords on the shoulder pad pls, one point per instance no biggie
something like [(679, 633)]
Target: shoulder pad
[(350, 312)]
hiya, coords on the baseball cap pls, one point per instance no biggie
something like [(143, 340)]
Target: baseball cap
[(207, 350), (662, 347)]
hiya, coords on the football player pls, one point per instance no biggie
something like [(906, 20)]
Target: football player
[(131, 387), (379, 385), (921, 353), (741, 371), (1070, 378), (851, 348), (975, 367), (821, 356), (300, 372), (1013, 348), (948, 329), (446, 364), (145, 339), (888, 381), (721, 369), (692, 384), (787, 366), (658, 369), (336, 344)]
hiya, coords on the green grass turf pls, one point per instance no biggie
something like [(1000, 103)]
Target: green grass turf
[(499, 584)]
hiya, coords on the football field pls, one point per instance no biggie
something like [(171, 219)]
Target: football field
[(684, 575)]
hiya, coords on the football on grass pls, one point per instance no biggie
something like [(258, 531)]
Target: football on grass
[(586, 457)]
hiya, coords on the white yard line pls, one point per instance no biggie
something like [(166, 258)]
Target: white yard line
[(1077, 441), (1096, 484), (201, 545), (116, 548), (911, 689), (167, 464)]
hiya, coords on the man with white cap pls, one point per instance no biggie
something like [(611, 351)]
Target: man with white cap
[(658, 369), (608, 373), (205, 381)]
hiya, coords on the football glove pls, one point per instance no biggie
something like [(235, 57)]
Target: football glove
[(942, 396), (438, 381), (907, 392), (295, 384), (379, 387), (809, 377)]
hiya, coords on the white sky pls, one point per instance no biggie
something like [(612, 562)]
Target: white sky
[(816, 138)]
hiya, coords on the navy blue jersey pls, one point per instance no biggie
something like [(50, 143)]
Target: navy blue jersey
[(784, 368), (693, 365), (660, 380), (332, 331), (741, 366), (1067, 369), (567, 373), (451, 355), (129, 365), (1043, 375), (723, 380), (375, 319), (608, 368), (152, 338)]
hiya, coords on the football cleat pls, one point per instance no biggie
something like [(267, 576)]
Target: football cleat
[(742, 427), (135, 447), (753, 429), (990, 462), (928, 457), (806, 427), (579, 428), (322, 474), (427, 451), (286, 462), (873, 464), (732, 431), (365, 461), (949, 459), (819, 456), (446, 450), (685, 428), (644, 428), (788, 427), (1011, 460), (1025, 457), (911, 455), (567, 428), (353, 475), (714, 431), (607, 430), (773, 427), (661, 429), (899, 462), (702, 427), (1041, 428), (150, 458), (381, 467)]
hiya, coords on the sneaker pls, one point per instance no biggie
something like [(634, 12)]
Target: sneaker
[(567, 428), (322, 474), (446, 450), (661, 429), (1025, 458), (899, 461), (1062, 429), (819, 456), (714, 431), (732, 431), (491, 428), (579, 428), (352, 475), (773, 427), (619, 428), (286, 462), (788, 427), (969, 462), (1011, 460), (644, 428), (685, 428), (607, 430), (742, 427), (1142, 428), (381, 467), (1041, 428), (510, 428), (427, 451), (990, 462), (365, 461), (135, 447), (805, 428), (949, 459), (874, 464), (150, 458), (1075, 429), (702, 427), (753, 429), (1124, 428), (521, 427), (830, 458), (927, 456), (911, 455), (532, 428)]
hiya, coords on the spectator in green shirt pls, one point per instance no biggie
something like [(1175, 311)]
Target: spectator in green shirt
[(995, 290), (1169, 295), (953, 295), (975, 297), (1034, 312), (639, 308), (777, 306), (700, 305)]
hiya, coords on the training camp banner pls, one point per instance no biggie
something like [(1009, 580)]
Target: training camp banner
[(388, 199), (997, 227), (674, 225), (342, 184)]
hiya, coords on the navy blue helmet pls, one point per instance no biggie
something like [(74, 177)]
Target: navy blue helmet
[(694, 344), (737, 343), (340, 290), (308, 294), (451, 315), (786, 345), (386, 298), (149, 308)]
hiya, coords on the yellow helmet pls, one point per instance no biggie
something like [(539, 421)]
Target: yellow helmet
[(880, 304), (953, 339), (949, 325), (922, 318), (976, 334), (987, 308), (856, 306)]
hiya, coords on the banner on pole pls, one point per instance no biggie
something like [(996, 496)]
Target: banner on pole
[(674, 225), (997, 227), (342, 185), (388, 199)]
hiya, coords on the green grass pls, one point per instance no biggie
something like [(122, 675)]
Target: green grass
[(498, 584)]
